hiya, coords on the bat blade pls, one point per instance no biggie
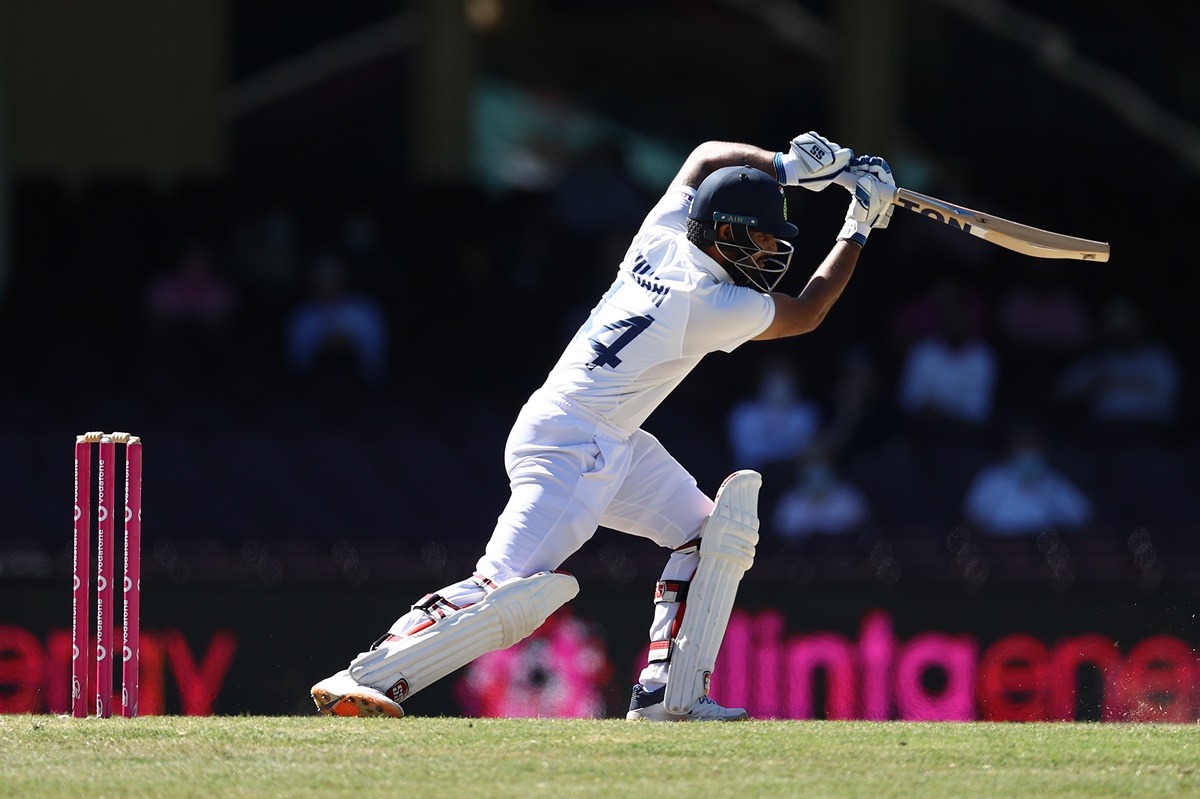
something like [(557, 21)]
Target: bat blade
[(1025, 239)]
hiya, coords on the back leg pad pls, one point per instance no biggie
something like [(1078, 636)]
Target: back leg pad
[(727, 548)]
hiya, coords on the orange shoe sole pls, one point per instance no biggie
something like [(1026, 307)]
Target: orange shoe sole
[(353, 705)]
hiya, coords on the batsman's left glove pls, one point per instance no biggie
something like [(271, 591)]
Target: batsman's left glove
[(812, 162)]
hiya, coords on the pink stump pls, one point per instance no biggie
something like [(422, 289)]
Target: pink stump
[(105, 554), (132, 586), (81, 587)]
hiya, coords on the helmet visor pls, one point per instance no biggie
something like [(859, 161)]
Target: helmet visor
[(756, 267)]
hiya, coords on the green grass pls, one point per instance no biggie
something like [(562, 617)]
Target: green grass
[(252, 756)]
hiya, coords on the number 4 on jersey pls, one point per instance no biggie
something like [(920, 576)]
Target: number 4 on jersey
[(606, 354)]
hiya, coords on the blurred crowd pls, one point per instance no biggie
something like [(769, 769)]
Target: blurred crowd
[(314, 369)]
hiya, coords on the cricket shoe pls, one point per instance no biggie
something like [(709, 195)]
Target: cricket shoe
[(648, 706), (342, 695)]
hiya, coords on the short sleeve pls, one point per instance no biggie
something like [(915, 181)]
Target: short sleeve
[(731, 316), (671, 210)]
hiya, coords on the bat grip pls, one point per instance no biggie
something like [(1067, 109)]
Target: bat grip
[(849, 181)]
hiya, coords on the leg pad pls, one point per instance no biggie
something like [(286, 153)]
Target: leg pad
[(727, 547), (402, 666)]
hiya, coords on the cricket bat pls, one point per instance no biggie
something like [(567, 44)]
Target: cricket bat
[(1014, 236)]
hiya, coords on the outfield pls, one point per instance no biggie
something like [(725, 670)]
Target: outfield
[(255, 756)]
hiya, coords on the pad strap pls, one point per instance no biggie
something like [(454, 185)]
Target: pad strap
[(661, 651), (671, 591), (436, 605), (484, 583)]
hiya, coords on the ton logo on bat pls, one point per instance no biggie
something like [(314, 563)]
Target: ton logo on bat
[(929, 212)]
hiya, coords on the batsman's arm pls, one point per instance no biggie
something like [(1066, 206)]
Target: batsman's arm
[(869, 209), (804, 312), (811, 161), (713, 155)]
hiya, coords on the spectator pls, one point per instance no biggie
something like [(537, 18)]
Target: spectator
[(774, 426), (819, 502), (337, 327), (1024, 494), (1130, 382), (948, 377)]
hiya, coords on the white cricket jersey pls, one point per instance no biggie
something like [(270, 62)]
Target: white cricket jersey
[(670, 306)]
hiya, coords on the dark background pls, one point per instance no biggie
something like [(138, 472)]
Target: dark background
[(129, 135)]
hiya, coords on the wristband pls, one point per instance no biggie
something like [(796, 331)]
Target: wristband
[(785, 168), (855, 231)]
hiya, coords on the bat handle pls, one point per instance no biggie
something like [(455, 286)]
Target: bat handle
[(849, 181)]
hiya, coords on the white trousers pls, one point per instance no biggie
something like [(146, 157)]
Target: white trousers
[(570, 472)]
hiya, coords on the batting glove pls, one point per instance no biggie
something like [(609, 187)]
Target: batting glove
[(812, 162), (871, 165), (874, 191)]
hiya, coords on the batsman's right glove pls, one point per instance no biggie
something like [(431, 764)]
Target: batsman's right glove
[(874, 191)]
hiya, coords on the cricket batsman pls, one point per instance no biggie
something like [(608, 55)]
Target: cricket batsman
[(699, 276)]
